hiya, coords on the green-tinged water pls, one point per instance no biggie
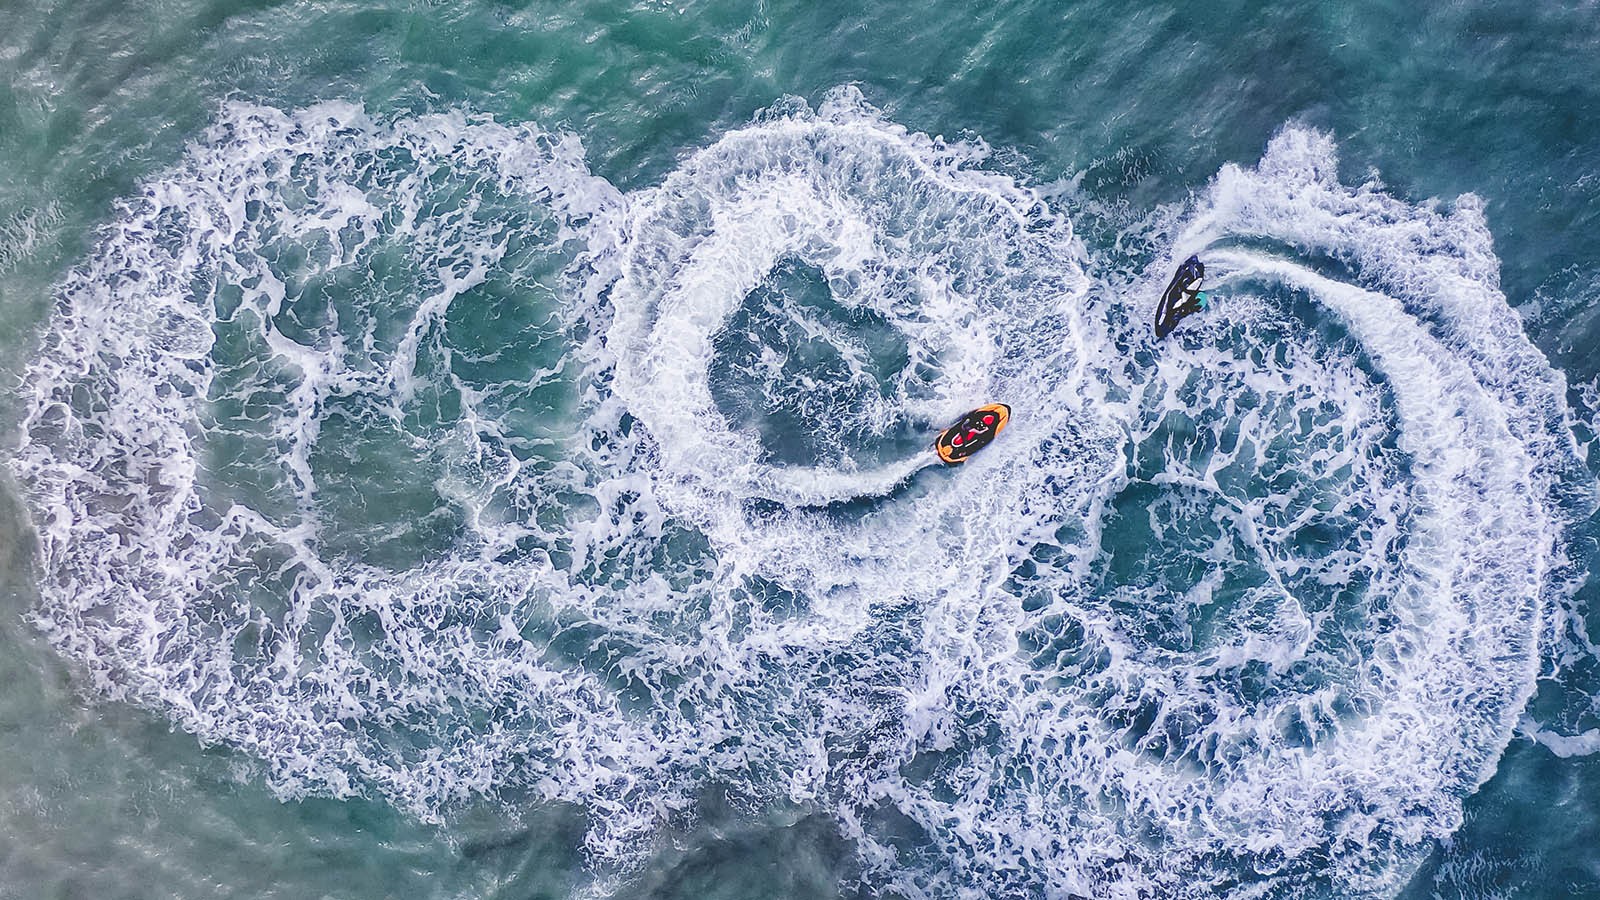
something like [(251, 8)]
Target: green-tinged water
[(480, 450)]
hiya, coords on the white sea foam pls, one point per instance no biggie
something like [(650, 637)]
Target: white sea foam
[(392, 454)]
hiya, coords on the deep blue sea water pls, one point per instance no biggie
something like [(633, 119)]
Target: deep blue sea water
[(481, 450)]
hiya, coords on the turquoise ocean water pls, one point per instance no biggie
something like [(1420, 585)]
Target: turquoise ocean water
[(464, 450)]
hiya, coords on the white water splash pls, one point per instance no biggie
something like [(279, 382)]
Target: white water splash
[(392, 455)]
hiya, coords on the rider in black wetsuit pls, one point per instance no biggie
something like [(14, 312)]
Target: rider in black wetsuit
[(1182, 298)]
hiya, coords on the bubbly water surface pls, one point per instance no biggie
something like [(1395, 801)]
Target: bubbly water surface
[(405, 456), (389, 452)]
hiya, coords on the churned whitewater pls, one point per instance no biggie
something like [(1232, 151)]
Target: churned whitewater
[(409, 458)]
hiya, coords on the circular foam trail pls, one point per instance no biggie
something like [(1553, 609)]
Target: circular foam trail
[(979, 282), (1317, 611), (301, 479), (413, 459)]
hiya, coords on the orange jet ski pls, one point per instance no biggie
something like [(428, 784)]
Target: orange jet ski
[(971, 433)]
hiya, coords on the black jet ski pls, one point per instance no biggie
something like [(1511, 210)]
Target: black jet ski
[(1182, 298), (971, 433)]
